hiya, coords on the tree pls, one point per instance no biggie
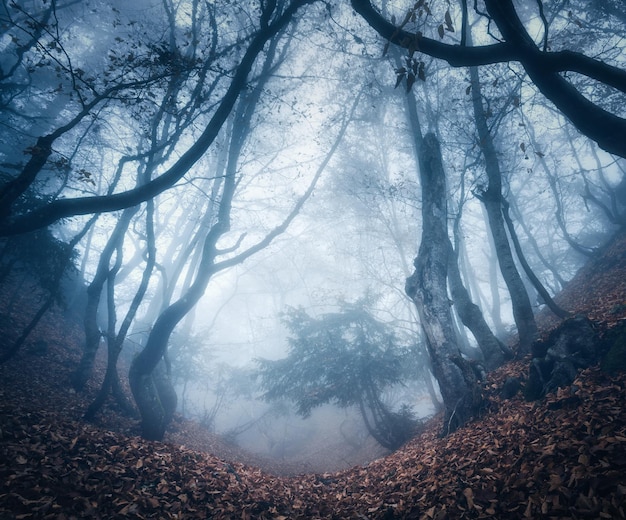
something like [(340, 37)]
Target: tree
[(272, 20), (156, 397), (492, 349), (545, 68), (160, 133), (427, 286), (116, 338), (346, 358), (491, 197)]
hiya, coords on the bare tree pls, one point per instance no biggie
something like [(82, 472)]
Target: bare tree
[(272, 21), (428, 288), (545, 68)]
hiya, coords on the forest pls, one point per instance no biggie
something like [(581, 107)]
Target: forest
[(312, 259)]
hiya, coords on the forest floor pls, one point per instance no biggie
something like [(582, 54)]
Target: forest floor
[(563, 456)]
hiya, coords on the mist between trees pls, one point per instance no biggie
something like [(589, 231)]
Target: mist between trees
[(363, 203)]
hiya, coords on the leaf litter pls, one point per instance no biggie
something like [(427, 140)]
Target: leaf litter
[(561, 457)]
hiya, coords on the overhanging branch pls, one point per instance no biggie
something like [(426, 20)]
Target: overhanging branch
[(543, 68)]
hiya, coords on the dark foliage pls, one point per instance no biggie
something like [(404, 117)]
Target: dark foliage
[(38, 255), (347, 358)]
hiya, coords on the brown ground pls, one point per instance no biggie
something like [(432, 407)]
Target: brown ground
[(561, 457)]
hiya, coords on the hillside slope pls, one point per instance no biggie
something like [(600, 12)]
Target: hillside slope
[(561, 457), (564, 457)]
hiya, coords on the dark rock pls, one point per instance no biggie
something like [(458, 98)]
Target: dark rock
[(510, 388), (615, 346), (572, 346)]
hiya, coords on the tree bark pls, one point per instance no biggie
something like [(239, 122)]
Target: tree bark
[(492, 201), (427, 288), (493, 350)]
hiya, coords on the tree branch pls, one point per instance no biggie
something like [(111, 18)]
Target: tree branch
[(605, 128), (64, 208), (298, 206)]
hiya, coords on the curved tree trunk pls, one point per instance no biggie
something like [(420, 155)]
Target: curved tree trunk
[(155, 401), (493, 350), (94, 293), (492, 200), (153, 391), (427, 288), (111, 383), (522, 309)]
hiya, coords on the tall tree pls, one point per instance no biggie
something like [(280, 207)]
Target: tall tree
[(428, 288), (491, 197), (492, 349)]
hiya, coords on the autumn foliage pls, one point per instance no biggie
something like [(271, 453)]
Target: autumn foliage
[(563, 456)]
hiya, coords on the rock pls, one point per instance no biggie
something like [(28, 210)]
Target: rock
[(572, 346), (615, 346), (510, 387)]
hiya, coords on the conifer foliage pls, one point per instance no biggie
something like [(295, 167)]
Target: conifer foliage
[(347, 358)]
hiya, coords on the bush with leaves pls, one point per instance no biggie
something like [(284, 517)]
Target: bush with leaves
[(346, 358)]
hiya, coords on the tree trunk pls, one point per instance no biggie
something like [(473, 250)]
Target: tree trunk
[(493, 350), (156, 399), (111, 383), (94, 293), (492, 200), (558, 281), (545, 295), (427, 288), (153, 391), (494, 302)]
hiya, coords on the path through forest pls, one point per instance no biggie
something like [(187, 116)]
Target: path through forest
[(561, 457)]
